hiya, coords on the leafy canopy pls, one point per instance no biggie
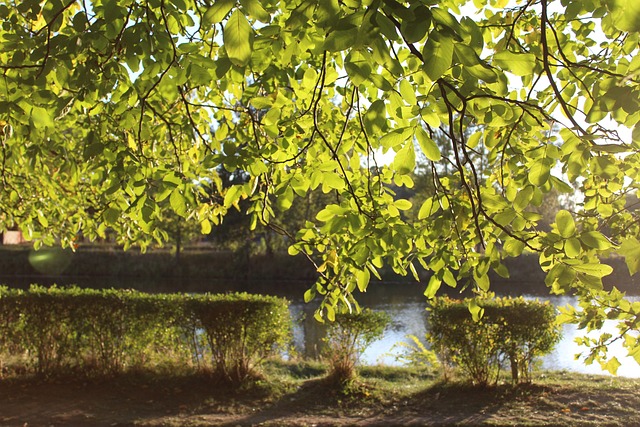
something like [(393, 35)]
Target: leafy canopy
[(115, 111)]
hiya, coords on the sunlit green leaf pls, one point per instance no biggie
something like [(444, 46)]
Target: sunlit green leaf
[(405, 160), (438, 54), (362, 279), (630, 250), (178, 202), (428, 146), (217, 12), (255, 10), (625, 14), (595, 239), (520, 64), (566, 224), (539, 173), (238, 39), (595, 270)]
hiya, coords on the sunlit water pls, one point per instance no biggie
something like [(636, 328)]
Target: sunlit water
[(409, 319)]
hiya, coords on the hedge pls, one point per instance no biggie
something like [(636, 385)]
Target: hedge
[(57, 329), (511, 329)]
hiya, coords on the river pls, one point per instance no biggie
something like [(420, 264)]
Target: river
[(404, 303)]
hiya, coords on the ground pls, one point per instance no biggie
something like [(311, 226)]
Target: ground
[(380, 397)]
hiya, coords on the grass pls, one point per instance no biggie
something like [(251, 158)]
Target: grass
[(299, 393)]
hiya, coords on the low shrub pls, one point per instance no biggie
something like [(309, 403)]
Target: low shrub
[(241, 330), (511, 329), (109, 331), (415, 353), (348, 336)]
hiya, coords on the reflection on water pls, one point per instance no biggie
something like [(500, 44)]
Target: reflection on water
[(404, 302), (563, 357), (409, 318)]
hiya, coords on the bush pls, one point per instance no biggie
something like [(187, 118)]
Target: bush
[(347, 338), (241, 330), (108, 331), (510, 329)]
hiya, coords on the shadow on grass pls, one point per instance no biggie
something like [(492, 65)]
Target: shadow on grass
[(301, 395)]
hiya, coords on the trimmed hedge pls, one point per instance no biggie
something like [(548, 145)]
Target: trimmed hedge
[(108, 331), (511, 329), (240, 330)]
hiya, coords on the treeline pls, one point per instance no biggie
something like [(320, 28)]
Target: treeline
[(163, 271)]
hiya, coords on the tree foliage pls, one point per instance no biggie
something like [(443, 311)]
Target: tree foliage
[(112, 112)]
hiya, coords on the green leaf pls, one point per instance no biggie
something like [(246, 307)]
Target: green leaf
[(387, 27), (428, 146), (362, 279), (238, 39), (449, 278), (539, 173), (625, 14), (358, 66), (217, 12), (403, 204), (375, 119), (483, 72), (476, 311), (561, 186), (437, 54), (395, 137), (339, 40), (111, 215), (520, 64), (232, 196), (331, 211), (205, 226), (43, 220), (466, 55), (415, 30), (592, 269), (565, 223), (432, 287), (522, 199), (42, 118), (332, 181), (405, 161), (178, 203), (611, 366), (572, 247), (595, 239), (255, 10), (444, 17), (309, 295), (630, 250), (426, 209), (513, 247), (408, 92)]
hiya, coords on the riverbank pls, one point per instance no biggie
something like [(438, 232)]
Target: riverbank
[(202, 269), (296, 394)]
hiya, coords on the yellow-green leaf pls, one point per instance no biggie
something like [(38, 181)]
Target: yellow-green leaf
[(520, 64), (565, 223), (428, 146), (238, 39), (438, 54)]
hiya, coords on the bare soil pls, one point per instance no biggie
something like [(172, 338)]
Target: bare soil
[(141, 400)]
